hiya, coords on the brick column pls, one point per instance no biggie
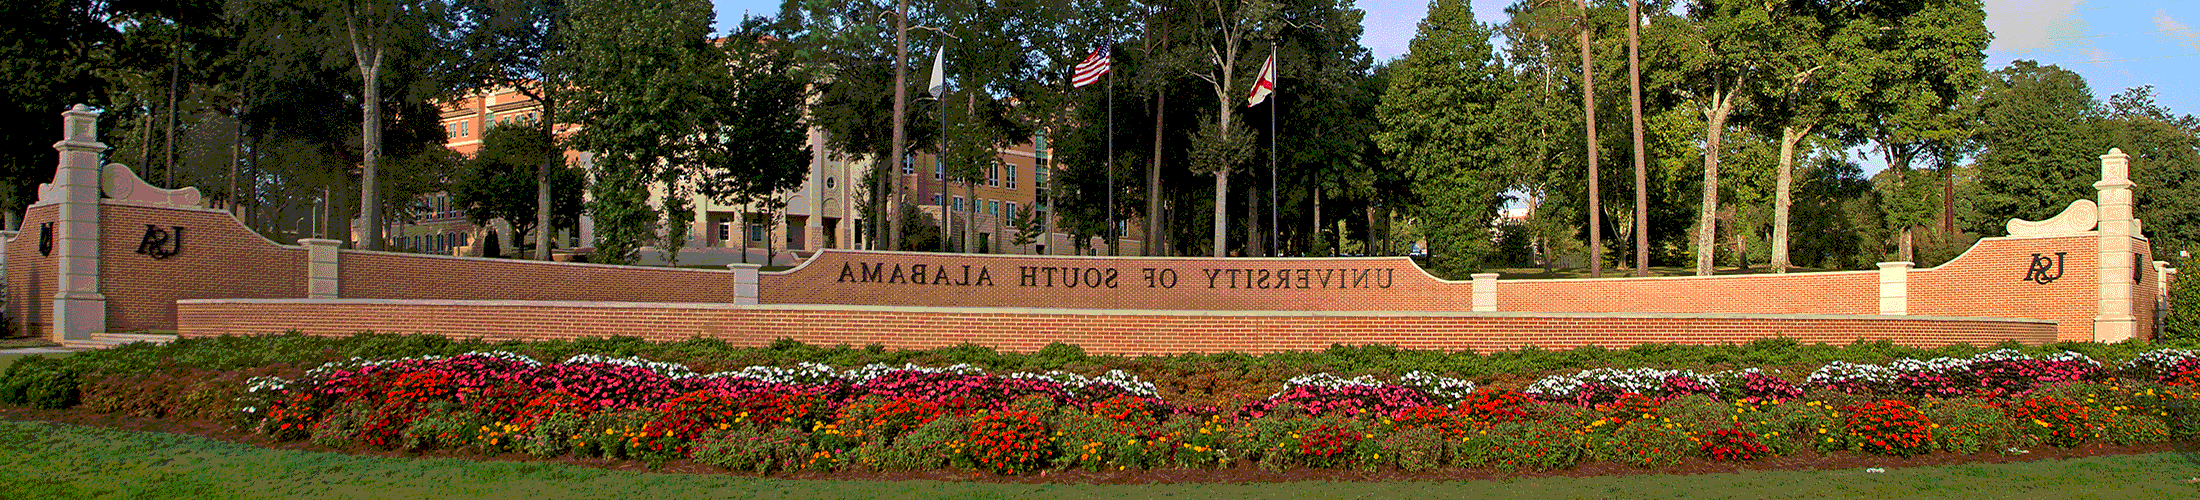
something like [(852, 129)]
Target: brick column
[(2115, 323), (321, 270), (79, 310), (1485, 292), (2163, 276), (744, 282), (6, 238), (1894, 288)]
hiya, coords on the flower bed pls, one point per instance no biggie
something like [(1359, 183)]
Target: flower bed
[(808, 416)]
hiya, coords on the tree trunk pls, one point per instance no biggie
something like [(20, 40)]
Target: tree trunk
[(1316, 234), (236, 152), (1948, 200), (1589, 109), (1642, 177), (901, 104), (1222, 177), (370, 191), (1153, 177), (1784, 195), (175, 79), (543, 228), (1708, 224)]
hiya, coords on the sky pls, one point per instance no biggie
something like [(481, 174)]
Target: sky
[(2115, 44)]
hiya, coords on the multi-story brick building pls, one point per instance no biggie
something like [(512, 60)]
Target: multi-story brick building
[(827, 211)]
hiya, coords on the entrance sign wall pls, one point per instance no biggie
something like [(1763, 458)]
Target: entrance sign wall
[(2086, 274)]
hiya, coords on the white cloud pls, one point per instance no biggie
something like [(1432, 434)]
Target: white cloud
[(2033, 24), (2176, 30)]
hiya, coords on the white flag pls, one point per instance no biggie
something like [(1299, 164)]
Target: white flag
[(939, 72)]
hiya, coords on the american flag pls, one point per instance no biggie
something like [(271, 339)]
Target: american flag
[(1095, 65)]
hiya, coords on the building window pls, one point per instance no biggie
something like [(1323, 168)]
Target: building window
[(958, 203), (828, 183), (462, 128), (1011, 177), (1012, 212), (725, 229), (993, 207), (756, 232), (909, 164), (935, 198), (993, 175), (939, 169), (1038, 177)]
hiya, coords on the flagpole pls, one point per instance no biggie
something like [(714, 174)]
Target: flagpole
[(1275, 103), (1111, 152), (947, 220)]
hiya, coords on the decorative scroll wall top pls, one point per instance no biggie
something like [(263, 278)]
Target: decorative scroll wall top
[(123, 184), (2078, 219)]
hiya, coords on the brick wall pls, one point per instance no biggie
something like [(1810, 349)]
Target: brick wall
[(1989, 280), (1343, 284), (385, 275), (219, 259), (1097, 331), (30, 277), (1802, 293)]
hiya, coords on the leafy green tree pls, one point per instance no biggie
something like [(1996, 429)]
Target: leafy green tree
[(1807, 89), (499, 182), (849, 50), (374, 35), (1443, 125), (759, 148), (1231, 30), (504, 44), (1922, 58), (2165, 163), (2038, 140), (1721, 48), (635, 74)]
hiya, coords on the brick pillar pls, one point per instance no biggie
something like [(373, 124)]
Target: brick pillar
[(744, 282), (2163, 275), (79, 310), (1894, 288), (321, 270), (1485, 292), (2115, 323), (6, 238)]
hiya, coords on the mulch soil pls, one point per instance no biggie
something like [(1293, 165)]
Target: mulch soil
[(1807, 460)]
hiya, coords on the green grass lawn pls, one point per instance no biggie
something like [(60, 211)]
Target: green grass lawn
[(45, 460)]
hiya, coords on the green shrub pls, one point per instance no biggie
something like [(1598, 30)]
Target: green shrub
[(747, 448), (1415, 449), (2178, 407), (1205, 441), (1645, 442), (934, 445), (1968, 426), (1529, 445), (341, 427), (42, 382), (2129, 429), (554, 434), (1091, 442), (2182, 324), (442, 429)]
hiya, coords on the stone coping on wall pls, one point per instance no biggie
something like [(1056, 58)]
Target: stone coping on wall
[(1098, 312), (539, 262), (797, 269)]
